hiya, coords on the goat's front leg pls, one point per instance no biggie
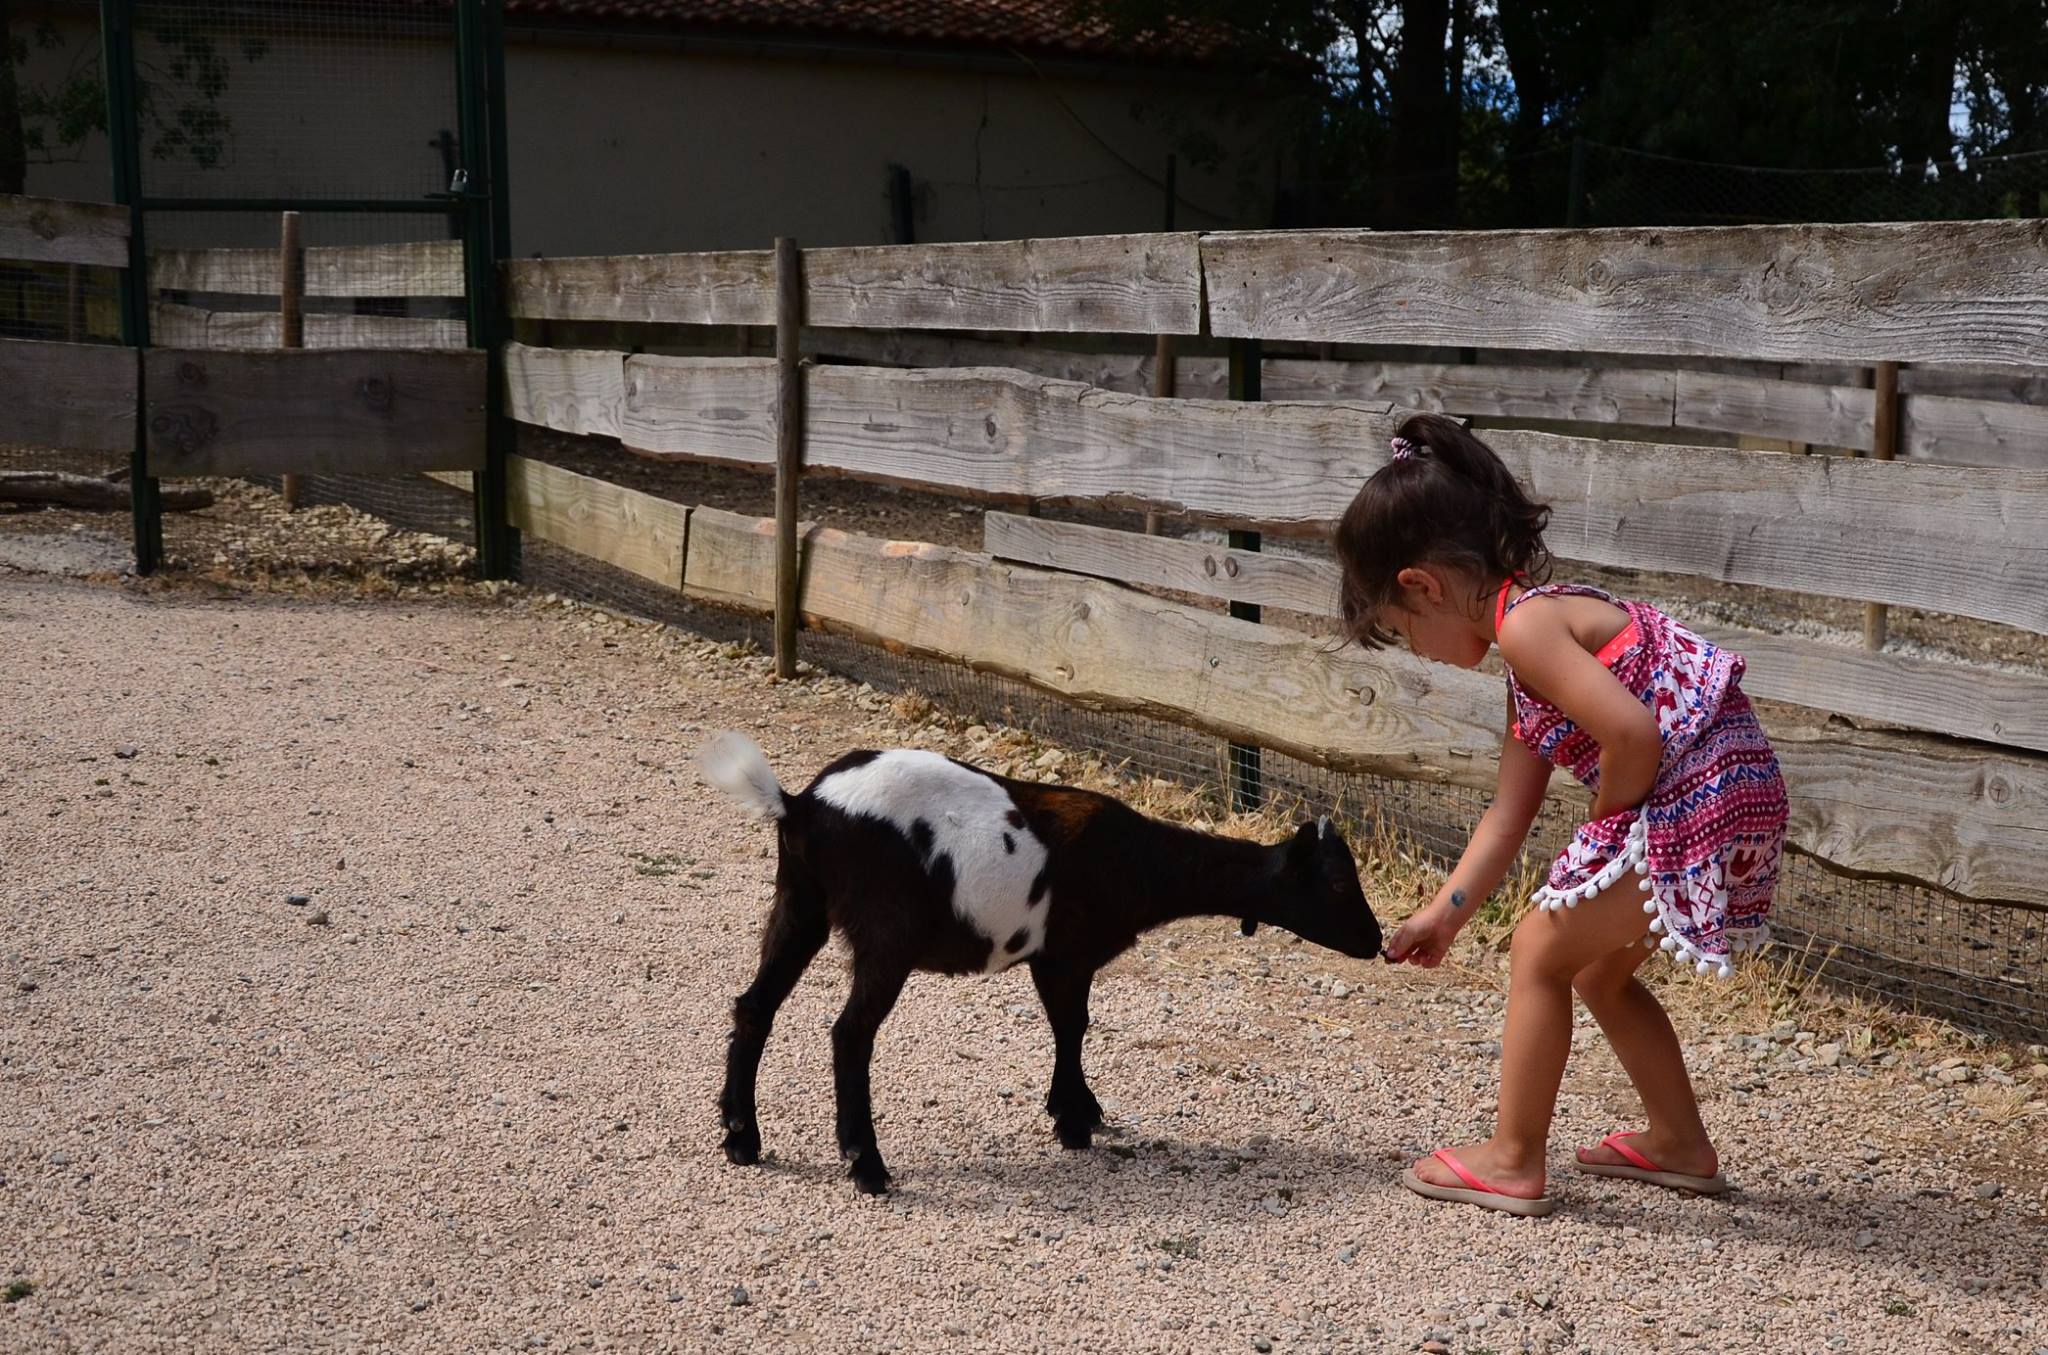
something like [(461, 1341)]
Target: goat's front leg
[(797, 928), (1064, 991), (875, 990)]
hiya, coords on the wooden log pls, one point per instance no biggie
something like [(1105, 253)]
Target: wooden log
[(1989, 705), (427, 268), (789, 444), (1140, 284), (74, 395), (291, 318), (731, 560), (316, 413), (1942, 291), (625, 528), (1893, 806), (91, 492), (52, 230)]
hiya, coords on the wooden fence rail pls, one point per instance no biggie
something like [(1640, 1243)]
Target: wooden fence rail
[(1853, 529), (51, 230), (1966, 819), (1964, 430)]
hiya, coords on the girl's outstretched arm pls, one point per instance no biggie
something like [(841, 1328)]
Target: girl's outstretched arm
[(1425, 938)]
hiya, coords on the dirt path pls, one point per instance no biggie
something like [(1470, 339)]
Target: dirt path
[(474, 1110)]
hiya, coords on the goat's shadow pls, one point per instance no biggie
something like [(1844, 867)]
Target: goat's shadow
[(1234, 1177)]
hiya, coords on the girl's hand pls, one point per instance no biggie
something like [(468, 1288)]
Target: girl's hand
[(1423, 939)]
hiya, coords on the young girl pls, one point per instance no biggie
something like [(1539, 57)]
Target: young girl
[(1443, 551)]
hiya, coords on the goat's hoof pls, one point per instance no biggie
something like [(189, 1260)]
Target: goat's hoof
[(742, 1148), (1075, 1133), (870, 1177)]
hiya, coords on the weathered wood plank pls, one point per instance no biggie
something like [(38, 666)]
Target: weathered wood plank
[(1826, 416), (176, 326), (571, 390), (54, 230), (1142, 284), (1989, 705), (1006, 434), (1975, 432), (731, 559), (1640, 396), (1260, 577), (1901, 806), (2019, 385), (73, 395), (1943, 291), (1815, 524), (235, 412), (625, 528), (719, 409), (430, 268)]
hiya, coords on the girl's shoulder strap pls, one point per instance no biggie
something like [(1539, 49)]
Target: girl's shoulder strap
[(1502, 606)]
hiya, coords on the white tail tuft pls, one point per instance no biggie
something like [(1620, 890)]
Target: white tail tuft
[(736, 765)]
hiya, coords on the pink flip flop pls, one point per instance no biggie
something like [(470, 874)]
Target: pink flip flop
[(1476, 1191), (1642, 1169)]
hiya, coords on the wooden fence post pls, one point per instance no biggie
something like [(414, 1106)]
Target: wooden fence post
[(1247, 780), (789, 444), (291, 315), (1884, 446), (1162, 351)]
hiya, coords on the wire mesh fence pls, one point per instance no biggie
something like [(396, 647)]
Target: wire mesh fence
[(1975, 963)]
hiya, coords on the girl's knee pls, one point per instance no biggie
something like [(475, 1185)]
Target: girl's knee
[(1537, 948)]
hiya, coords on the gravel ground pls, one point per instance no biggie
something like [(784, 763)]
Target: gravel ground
[(365, 967)]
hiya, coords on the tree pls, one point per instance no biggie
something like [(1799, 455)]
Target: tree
[(179, 93)]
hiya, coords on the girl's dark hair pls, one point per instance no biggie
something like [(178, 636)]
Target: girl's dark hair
[(1450, 502)]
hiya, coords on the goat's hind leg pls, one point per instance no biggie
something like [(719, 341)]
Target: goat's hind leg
[(876, 986), (796, 930), (1075, 1111)]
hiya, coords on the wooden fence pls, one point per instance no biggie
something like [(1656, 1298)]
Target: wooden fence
[(208, 402), (1952, 791)]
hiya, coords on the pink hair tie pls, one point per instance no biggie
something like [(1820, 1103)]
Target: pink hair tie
[(1403, 449)]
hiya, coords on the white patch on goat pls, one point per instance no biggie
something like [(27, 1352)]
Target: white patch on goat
[(995, 861)]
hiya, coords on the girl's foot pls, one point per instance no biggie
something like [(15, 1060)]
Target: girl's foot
[(1470, 1187), (1506, 1176), (1638, 1156)]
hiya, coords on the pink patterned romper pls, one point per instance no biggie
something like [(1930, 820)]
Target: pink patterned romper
[(1706, 843)]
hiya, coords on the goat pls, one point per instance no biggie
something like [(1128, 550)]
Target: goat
[(924, 863)]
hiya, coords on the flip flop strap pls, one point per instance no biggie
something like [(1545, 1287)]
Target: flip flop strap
[(1443, 1155), (1615, 1141)]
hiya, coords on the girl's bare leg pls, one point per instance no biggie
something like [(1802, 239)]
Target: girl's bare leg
[(1635, 1025)]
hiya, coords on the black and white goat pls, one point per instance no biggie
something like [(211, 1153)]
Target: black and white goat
[(925, 863)]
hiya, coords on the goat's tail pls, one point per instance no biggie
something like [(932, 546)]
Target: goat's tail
[(736, 765)]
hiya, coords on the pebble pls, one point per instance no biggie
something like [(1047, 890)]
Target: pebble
[(298, 900), (1866, 1239), (60, 1158), (1340, 989), (1262, 1343), (739, 1296), (1990, 1190), (318, 918), (126, 750), (1435, 1348)]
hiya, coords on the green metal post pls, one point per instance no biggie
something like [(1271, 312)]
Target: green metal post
[(117, 28), (474, 190), (1247, 780)]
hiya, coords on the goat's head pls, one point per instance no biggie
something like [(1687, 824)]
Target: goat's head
[(1316, 895)]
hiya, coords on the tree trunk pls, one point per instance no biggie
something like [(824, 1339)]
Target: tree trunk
[(1420, 183), (13, 144)]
